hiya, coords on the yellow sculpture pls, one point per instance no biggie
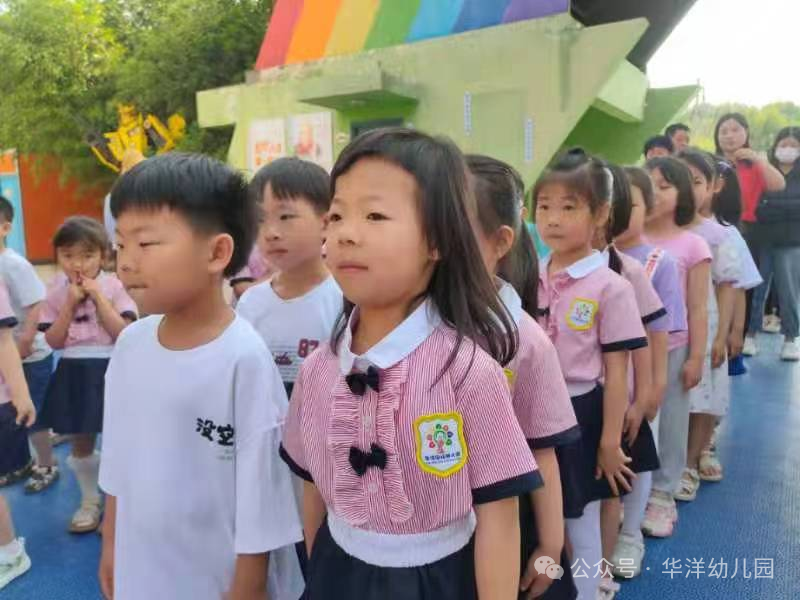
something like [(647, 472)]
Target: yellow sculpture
[(135, 132)]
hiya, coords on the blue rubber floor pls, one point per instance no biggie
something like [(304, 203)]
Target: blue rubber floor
[(754, 515)]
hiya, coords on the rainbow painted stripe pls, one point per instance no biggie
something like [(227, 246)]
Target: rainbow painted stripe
[(307, 30)]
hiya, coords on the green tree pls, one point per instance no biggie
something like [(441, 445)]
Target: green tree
[(67, 63)]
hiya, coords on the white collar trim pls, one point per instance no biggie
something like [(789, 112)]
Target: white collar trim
[(398, 344), (586, 266), (510, 298)]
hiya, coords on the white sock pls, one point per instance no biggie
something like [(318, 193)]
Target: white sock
[(10, 551), (635, 504), (87, 471), (587, 550)]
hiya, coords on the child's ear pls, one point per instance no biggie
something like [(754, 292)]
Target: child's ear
[(719, 183), (220, 253)]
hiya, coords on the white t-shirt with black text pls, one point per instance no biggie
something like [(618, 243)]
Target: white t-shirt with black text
[(190, 450), (292, 329), (24, 290)]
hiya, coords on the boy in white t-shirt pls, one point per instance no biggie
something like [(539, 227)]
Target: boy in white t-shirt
[(297, 308), (198, 501), (26, 293)]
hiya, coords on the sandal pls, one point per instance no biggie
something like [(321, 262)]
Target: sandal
[(41, 479), (710, 467), (87, 518), (15, 476), (690, 482), (608, 589)]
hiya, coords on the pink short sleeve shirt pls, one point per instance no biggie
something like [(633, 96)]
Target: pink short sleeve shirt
[(540, 397), (450, 437), (587, 310), (86, 329)]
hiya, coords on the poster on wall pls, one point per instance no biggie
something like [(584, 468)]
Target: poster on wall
[(311, 138), (11, 190), (267, 142)]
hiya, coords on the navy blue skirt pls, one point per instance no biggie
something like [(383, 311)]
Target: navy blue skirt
[(335, 575), (74, 402), (560, 589), (14, 450), (577, 462)]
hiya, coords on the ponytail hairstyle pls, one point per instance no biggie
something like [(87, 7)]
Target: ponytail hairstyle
[(727, 203), (460, 287), (500, 196), (600, 183)]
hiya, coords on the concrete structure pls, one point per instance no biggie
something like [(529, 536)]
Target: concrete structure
[(516, 79)]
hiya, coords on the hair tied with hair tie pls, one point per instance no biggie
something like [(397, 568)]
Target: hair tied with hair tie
[(610, 183)]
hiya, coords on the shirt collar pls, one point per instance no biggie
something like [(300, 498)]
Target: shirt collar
[(510, 298), (583, 267), (398, 344)]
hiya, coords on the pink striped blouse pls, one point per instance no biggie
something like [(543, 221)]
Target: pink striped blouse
[(540, 397), (451, 438)]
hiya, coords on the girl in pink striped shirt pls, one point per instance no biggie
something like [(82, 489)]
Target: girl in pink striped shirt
[(541, 400), (403, 428)]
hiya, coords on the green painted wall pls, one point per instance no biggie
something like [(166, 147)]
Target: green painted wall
[(622, 142), (549, 71), (392, 23)]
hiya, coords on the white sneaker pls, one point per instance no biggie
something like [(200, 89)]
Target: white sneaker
[(771, 324), (790, 352), (628, 556), (750, 347), (10, 569)]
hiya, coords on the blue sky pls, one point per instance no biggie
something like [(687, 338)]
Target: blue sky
[(739, 50)]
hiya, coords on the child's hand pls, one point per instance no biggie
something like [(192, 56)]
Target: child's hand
[(25, 347), (90, 287), (76, 294), (719, 353), (533, 582), (735, 344), (633, 421), (26, 412), (612, 462), (692, 373), (106, 572)]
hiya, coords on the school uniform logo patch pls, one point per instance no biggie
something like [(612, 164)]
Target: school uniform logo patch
[(441, 447), (581, 313)]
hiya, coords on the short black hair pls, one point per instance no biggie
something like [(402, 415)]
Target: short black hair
[(675, 128), (82, 230), (292, 178), (6, 209), (639, 178), (702, 161), (659, 141), (212, 197), (677, 174)]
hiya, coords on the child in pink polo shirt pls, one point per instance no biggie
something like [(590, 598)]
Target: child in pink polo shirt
[(673, 210), (661, 270), (585, 309), (83, 313), (540, 397), (403, 427)]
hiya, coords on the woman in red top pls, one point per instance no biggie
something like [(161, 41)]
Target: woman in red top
[(756, 176)]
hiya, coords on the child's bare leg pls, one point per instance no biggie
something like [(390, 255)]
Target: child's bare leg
[(701, 427), (7, 534), (43, 447), (609, 525), (83, 444)]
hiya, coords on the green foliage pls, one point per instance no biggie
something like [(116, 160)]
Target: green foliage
[(67, 63), (765, 122)]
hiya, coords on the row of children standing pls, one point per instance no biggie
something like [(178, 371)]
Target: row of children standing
[(427, 467)]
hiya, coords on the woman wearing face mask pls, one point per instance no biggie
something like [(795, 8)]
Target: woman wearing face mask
[(777, 232)]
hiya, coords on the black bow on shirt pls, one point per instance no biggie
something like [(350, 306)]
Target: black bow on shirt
[(81, 319), (361, 461), (358, 382)]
